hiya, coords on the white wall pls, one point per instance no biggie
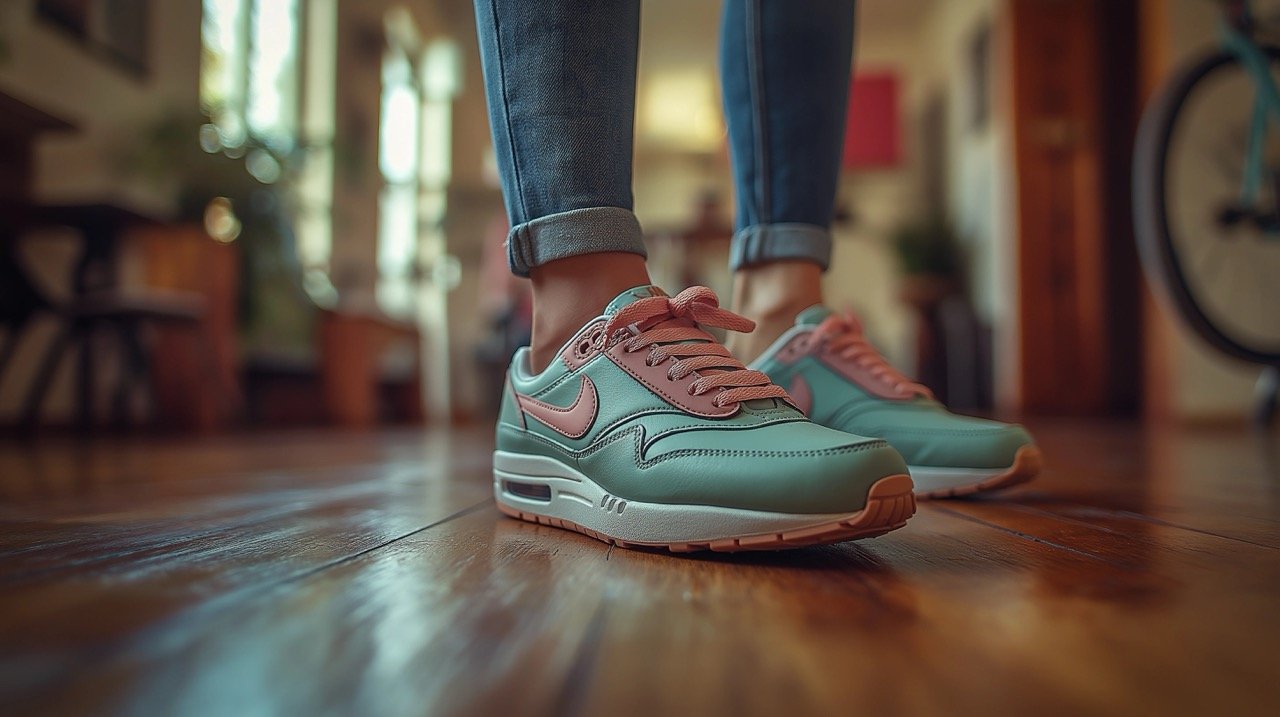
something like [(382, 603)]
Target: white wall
[(981, 187), (926, 44), (864, 274), (51, 71)]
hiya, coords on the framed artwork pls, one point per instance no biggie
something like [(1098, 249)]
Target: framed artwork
[(873, 132)]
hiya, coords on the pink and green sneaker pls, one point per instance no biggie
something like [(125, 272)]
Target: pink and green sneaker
[(647, 432), (840, 381)]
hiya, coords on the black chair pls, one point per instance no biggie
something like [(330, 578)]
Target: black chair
[(19, 301), (83, 320)]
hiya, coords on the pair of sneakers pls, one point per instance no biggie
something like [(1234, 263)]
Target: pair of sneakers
[(646, 431)]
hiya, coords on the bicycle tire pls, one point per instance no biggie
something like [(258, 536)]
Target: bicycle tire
[(1156, 247)]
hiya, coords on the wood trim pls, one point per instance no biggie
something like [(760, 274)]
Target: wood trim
[(1055, 126), (1154, 59), (1076, 306)]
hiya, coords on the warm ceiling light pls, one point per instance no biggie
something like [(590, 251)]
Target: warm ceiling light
[(681, 111), (220, 220)]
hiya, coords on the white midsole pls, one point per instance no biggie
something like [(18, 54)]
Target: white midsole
[(575, 497), (931, 478)]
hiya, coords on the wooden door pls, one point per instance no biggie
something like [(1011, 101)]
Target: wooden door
[(1072, 100)]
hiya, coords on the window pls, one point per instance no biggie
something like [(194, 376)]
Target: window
[(314, 195), (224, 59), (419, 82), (415, 270), (271, 100), (250, 82), (262, 103), (398, 160)]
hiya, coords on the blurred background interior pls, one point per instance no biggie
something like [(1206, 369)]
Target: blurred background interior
[(286, 212)]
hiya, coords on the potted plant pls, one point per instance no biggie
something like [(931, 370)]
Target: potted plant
[(929, 257), (242, 187)]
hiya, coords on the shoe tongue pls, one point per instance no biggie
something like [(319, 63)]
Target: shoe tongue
[(630, 296), (813, 315), (637, 293)]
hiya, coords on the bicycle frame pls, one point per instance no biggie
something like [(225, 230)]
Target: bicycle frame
[(1237, 40)]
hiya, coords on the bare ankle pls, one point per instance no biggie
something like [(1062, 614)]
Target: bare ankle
[(568, 293), (772, 295)]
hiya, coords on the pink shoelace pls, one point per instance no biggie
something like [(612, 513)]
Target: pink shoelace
[(842, 335), (668, 323)]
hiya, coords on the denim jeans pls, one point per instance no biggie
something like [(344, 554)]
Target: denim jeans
[(560, 78)]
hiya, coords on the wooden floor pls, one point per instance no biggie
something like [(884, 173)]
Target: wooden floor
[(305, 574)]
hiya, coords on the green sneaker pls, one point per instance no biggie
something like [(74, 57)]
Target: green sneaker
[(840, 381), (647, 432)]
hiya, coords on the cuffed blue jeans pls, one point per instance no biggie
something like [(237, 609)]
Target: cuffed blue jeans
[(560, 78)]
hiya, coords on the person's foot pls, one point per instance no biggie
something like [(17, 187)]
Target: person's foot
[(840, 381), (645, 431)]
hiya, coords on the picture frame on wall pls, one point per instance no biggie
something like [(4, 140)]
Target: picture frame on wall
[(116, 29), (873, 130)]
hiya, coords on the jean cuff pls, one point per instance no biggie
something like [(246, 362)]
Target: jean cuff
[(573, 233), (769, 242)]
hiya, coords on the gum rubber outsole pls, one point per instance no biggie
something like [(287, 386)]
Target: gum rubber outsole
[(890, 502), (1027, 463)]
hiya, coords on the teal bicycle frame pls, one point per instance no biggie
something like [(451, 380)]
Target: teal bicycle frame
[(1236, 41)]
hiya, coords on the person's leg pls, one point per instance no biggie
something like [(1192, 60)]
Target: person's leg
[(786, 83), (786, 79), (603, 437), (560, 79)]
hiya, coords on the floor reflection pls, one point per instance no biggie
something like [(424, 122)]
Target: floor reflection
[(373, 575)]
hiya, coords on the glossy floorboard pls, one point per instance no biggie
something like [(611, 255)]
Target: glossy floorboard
[(370, 574)]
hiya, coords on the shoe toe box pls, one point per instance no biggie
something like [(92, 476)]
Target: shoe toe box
[(797, 467), (971, 444)]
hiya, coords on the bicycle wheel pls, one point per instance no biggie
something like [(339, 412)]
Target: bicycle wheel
[(1216, 257)]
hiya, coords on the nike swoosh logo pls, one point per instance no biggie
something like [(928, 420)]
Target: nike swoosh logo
[(801, 395), (573, 420)]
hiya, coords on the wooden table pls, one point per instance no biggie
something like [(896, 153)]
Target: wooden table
[(369, 574)]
